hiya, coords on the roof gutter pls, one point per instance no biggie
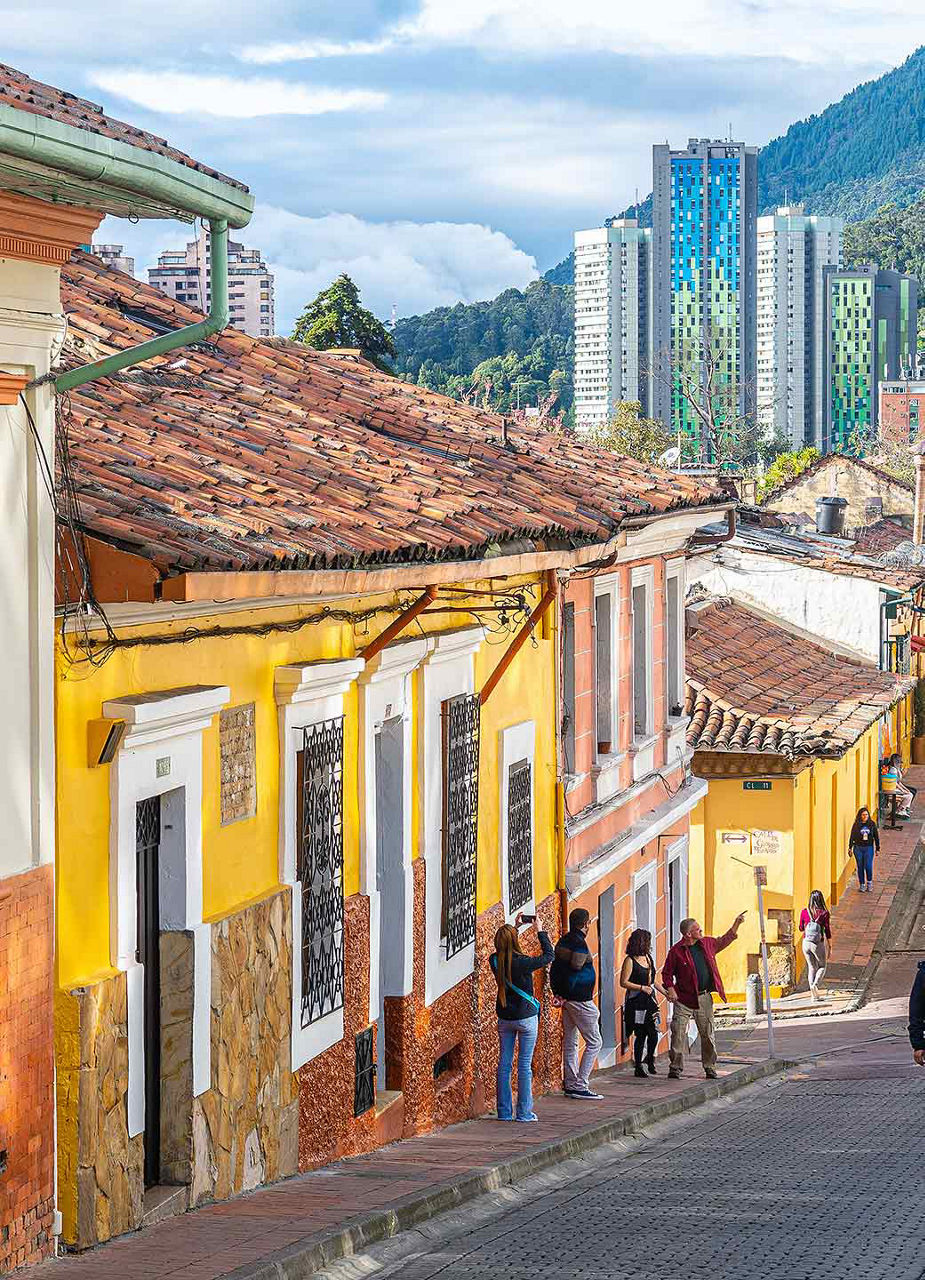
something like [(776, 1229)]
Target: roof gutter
[(216, 320)]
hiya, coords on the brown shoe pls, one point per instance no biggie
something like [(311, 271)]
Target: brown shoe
[(674, 1075), (710, 1073)]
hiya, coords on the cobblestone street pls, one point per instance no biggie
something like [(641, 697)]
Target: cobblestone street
[(820, 1172)]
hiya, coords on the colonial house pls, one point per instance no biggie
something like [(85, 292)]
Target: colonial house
[(63, 165), (786, 730), (308, 685), (628, 786)]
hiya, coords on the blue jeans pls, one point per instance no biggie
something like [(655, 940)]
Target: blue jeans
[(864, 857), (525, 1031)]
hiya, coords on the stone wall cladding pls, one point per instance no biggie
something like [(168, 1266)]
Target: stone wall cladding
[(238, 749), (245, 1128), (27, 1068), (101, 1190), (461, 1023)]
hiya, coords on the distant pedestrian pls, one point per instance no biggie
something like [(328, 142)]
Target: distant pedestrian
[(906, 792), (864, 841), (518, 1016), (640, 1010), (816, 928), (891, 785), (690, 976), (917, 1016), (572, 979)]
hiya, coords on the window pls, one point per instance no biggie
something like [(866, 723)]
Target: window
[(568, 686), (460, 722), (520, 834), (320, 866), (674, 642), (605, 684), (642, 660)]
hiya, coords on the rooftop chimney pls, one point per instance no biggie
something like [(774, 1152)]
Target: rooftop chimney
[(918, 519)]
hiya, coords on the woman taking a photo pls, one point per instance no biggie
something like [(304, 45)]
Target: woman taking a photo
[(816, 928), (640, 1010), (864, 839), (518, 1016)]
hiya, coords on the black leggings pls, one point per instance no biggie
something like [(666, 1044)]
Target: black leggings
[(646, 1042)]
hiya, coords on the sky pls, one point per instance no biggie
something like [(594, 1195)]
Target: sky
[(442, 150)]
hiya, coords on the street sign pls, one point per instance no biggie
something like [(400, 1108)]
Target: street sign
[(761, 875), (756, 786)]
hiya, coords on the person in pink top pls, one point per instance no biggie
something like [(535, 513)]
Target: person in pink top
[(816, 928)]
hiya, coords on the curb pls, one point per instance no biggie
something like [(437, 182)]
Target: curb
[(319, 1250)]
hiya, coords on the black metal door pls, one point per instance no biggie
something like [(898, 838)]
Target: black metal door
[(147, 842)]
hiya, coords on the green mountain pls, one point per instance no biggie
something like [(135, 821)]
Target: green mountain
[(515, 349), (860, 154)]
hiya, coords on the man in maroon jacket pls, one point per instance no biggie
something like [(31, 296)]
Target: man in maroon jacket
[(690, 976)]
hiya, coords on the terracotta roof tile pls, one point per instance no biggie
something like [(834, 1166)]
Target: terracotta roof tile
[(271, 455), (885, 535), (21, 92), (757, 687)]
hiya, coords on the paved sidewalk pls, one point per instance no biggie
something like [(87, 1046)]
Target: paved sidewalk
[(332, 1210)]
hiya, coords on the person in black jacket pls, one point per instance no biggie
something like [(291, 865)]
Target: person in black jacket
[(518, 1016), (864, 839), (917, 1016)]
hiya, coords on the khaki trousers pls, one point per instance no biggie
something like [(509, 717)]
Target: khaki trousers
[(703, 1016)]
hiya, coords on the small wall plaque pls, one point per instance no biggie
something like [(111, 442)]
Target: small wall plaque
[(162, 767)]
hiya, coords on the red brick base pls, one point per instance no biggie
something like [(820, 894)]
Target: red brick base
[(26, 1069)]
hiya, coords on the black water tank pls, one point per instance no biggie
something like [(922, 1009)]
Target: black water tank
[(830, 516)]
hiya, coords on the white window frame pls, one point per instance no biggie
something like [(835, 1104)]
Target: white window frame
[(674, 570), (385, 692), (644, 743), (677, 852), (516, 743), (164, 726), (647, 875), (448, 670), (609, 586), (306, 695)]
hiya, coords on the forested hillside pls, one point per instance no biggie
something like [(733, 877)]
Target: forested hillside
[(518, 347)]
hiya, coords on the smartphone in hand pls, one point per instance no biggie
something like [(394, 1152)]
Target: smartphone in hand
[(527, 919)]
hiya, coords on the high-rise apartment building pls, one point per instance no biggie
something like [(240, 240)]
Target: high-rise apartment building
[(612, 319), (704, 216), (793, 251), (114, 256), (184, 275), (871, 320)]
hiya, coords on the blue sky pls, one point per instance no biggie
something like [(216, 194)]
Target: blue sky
[(442, 150)]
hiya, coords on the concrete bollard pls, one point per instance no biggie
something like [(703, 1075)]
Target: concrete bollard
[(754, 996)]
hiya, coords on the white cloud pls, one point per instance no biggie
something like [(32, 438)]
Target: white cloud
[(306, 50), (416, 265), (805, 30), (177, 93)]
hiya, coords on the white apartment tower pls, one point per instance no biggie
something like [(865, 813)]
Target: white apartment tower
[(114, 256), (794, 248), (612, 319), (184, 275)]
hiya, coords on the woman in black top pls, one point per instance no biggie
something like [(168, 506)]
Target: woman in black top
[(640, 1010), (518, 1016), (864, 839)]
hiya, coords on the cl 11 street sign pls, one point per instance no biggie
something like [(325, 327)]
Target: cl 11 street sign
[(756, 786)]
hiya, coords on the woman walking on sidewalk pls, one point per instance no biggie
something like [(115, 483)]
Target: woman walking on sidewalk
[(864, 839), (518, 1016), (816, 928), (640, 1010)]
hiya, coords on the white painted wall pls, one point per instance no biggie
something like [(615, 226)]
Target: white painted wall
[(843, 610), (30, 324)]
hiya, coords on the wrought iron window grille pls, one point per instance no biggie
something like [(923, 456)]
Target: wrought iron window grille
[(520, 834), (320, 868), (364, 1088), (460, 719)]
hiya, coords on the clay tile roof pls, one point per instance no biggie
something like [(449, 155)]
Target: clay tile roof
[(755, 687), (253, 455), (885, 535), (828, 555), (21, 92)]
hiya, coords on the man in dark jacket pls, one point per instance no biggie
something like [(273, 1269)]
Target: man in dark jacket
[(690, 976), (917, 1016), (572, 979)]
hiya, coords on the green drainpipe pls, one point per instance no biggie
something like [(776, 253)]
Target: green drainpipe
[(216, 320)]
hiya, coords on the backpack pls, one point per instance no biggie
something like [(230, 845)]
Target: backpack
[(814, 933)]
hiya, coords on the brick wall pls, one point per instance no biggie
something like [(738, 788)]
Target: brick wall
[(26, 1069)]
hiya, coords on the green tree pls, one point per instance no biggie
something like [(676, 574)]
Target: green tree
[(784, 468), (628, 432), (336, 319)]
